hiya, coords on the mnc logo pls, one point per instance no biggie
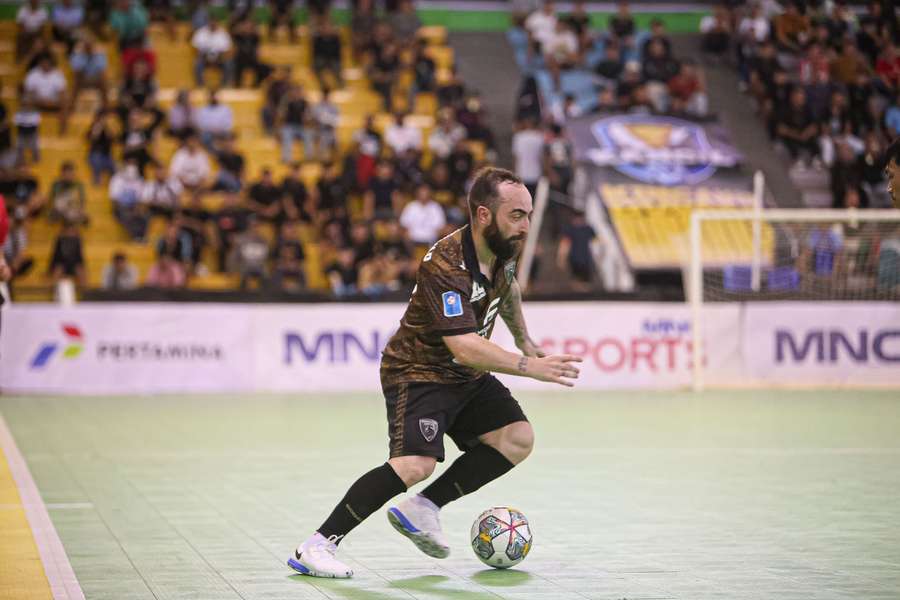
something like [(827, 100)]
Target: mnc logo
[(71, 348)]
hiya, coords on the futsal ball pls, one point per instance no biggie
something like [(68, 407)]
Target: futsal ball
[(501, 537)]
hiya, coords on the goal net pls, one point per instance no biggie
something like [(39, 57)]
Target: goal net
[(789, 255)]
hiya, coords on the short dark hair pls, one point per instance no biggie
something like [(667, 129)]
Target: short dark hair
[(893, 152), (484, 190)]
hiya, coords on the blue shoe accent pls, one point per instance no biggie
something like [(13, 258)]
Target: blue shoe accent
[(403, 520), (295, 565)]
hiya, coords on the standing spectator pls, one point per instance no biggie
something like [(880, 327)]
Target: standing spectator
[(424, 73), (30, 22), (687, 91), (27, 121), (330, 199), (162, 194), (658, 69), (621, 26), (325, 117), (326, 51), (298, 202), (658, 35), (264, 198), (276, 89), (125, 188), (100, 140), (215, 121), (527, 149), (228, 223), (67, 197), (716, 32), (129, 22), (294, 122), (119, 275), (252, 252), (557, 160), (405, 23), (342, 273), (444, 137), (423, 218), (67, 260), (89, 65), (382, 199), (282, 15), (246, 53), (47, 85), (231, 167), (182, 117), (288, 272), (541, 24), (574, 251), (67, 20), (190, 165), (213, 45), (796, 129), (402, 135)]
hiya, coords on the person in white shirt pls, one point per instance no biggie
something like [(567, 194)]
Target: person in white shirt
[(445, 135), (125, 189), (402, 135), (30, 22), (215, 121), (162, 194), (541, 24), (213, 45), (190, 165), (423, 218), (528, 149), (47, 86), (325, 116), (561, 46)]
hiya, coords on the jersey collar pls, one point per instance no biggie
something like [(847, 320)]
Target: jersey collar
[(471, 257)]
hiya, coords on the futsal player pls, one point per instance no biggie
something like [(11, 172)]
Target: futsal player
[(436, 379)]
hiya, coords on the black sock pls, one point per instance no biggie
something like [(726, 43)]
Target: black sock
[(365, 496), (480, 465)]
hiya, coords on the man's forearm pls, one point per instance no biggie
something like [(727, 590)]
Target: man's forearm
[(511, 312), (474, 351)]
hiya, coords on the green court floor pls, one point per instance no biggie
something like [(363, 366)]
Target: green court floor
[(727, 495)]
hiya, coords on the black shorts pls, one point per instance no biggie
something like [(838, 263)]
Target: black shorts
[(419, 414)]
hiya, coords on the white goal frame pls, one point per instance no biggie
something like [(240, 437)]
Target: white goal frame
[(756, 216)]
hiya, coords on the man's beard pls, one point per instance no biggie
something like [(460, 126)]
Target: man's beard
[(503, 248)]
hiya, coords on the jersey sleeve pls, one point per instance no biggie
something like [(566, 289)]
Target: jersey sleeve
[(444, 295)]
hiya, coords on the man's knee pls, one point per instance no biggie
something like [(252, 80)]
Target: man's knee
[(413, 469), (514, 441)]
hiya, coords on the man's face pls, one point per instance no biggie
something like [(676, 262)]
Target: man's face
[(506, 234), (892, 170)]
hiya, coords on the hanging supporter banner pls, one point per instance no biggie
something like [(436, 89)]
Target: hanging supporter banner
[(653, 149)]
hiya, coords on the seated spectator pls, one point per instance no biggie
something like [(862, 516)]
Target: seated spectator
[(67, 260), (67, 20), (125, 189), (30, 22), (424, 73), (472, 116), (621, 26), (231, 167), (423, 218), (849, 64), (330, 199), (574, 250), (542, 24), (716, 32), (887, 68), (136, 138), (89, 65), (47, 86), (658, 35), (325, 118), (813, 65), (276, 89), (139, 86), (796, 129), (166, 273), (294, 122), (190, 165), (100, 141), (658, 69), (342, 274), (382, 198), (175, 244), (120, 275), (370, 146), (67, 197), (408, 171), (326, 53), (362, 242), (27, 121), (611, 65), (288, 273), (687, 91), (132, 56), (558, 160), (251, 253), (246, 53), (213, 45), (228, 222), (792, 29), (182, 117), (445, 135), (402, 134), (394, 244), (383, 72), (460, 165), (561, 49), (264, 198), (819, 94), (282, 15), (162, 194), (215, 122), (193, 220), (404, 22), (452, 91), (20, 190), (129, 22), (298, 202)]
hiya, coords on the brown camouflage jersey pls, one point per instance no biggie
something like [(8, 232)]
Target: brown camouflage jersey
[(452, 297)]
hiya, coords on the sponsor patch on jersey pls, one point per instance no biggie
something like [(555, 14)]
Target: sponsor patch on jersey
[(452, 304)]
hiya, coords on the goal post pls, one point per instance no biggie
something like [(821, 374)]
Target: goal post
[(804, 255)]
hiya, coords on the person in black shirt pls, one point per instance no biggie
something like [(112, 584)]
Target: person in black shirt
[(658, 34), (580, 22), (194, 219), (460, 164), (424, 72), (362, 243), (453, 91), (288, 256), (230, 177), (246, 53), (139, 86), (795, 127), (7, 153), (343, 274), (23, 200), (282, 15), (621, 25), (136, 137), (294, 121), (326, 51), (574, 250), (383, 72), (228, 222), (100, 140), (278, 85), (67, 260), (296, 199), (264, 198), (382, 199), (331, 194), (611, 66)]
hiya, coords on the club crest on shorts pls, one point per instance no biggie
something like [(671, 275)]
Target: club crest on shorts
[(429, 429), (452, 304)]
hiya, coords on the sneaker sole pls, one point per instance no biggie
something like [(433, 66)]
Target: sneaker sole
[(421, 540), (304, 570)]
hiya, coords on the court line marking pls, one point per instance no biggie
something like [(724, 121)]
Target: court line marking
[(63, 583)]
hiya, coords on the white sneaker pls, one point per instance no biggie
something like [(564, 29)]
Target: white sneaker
[(417, 519), (315, 557)]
